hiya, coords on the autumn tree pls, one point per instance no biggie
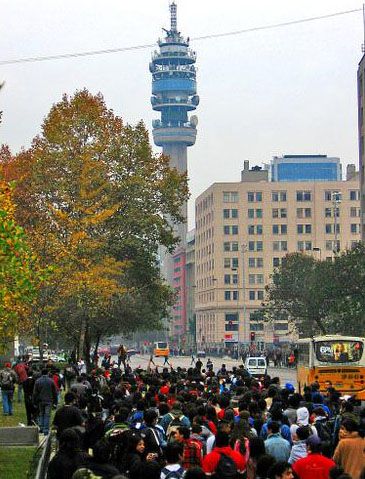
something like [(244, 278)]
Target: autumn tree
[(95, 201), (20, 274)]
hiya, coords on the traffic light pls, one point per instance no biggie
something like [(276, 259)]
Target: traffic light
[(252, 336)]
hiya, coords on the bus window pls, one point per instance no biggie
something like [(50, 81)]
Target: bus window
[(303, 353), (161, 345), (339, 351)]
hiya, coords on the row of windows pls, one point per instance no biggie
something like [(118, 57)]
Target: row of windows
[(282, 229), (283, 213), (256, 295), (303, 195), (231, 262)]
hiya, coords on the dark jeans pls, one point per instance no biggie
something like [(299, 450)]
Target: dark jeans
[(44, 417)]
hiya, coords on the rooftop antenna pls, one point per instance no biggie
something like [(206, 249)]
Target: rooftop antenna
[(173, 10)]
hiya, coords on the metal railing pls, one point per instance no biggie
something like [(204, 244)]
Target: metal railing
[(45, 448)]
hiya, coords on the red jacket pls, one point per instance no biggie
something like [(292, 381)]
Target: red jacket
[(314, 466), (211, 460), (21, 370)]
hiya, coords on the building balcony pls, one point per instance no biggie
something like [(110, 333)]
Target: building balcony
[(164, 57), (189, 104)]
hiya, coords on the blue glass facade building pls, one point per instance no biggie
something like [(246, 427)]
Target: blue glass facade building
[(305, 168)]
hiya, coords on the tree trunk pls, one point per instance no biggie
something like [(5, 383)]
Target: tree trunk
[(95, 355), (82, 337), (87, 348)]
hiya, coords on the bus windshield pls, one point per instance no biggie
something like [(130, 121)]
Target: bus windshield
[(162, 345), (339, 351)]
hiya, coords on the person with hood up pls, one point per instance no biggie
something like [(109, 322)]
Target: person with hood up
[(302, 420)]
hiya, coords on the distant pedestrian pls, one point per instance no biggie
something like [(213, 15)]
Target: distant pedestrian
[(8, 379), (21, 371), (44, 395)]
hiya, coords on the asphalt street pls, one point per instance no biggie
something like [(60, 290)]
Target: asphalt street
[(138, 360)]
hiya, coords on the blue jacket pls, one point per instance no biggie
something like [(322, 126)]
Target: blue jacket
[(284, 431), (277, 447)]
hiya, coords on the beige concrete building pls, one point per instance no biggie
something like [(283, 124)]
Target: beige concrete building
[(244, 229), (361, 128)]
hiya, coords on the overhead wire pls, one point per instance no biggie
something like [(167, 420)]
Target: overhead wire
[(200, 38)]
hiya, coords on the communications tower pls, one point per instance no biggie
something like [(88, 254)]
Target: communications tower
[(174, 95)]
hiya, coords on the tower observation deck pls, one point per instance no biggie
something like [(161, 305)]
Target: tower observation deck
[(174, 95)]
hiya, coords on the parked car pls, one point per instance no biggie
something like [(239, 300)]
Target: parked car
[(201, 354)]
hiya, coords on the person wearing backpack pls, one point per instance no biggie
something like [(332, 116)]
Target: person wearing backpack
[(173, 419), (223, 462), (173, 456), (8, 379)]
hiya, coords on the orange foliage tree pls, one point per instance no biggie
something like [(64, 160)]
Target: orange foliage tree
[(96, 203)]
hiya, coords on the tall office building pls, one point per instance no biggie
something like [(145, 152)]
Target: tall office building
[(361, 129), (242, 232)]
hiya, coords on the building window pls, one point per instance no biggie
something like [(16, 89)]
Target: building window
[(226, 229), (231, 317), (235, 295), (304, 196), (251, 229), (355, 228), (304, 229), (276, 262), (259, 213), (260, 295), (281, 326), (225, 214), (254, 196), (328, 196), (227, 279), (304, 212), (227, 295), (280, 245), (330, 228), (230, 229), (251, 213), (234, 229), (251, 295), (234, 213), (255, 262), (255, 245), (227, 262), (230, 196), (332, 246), (354, 195), (275, 213), (234, 278), (283, 213), (234, 262), (354, 212), (304, 245), (226, 246), (279, 229), (275, 229), (251, 279), (278, 196), (234, 246), (231, 326), (328, 212)]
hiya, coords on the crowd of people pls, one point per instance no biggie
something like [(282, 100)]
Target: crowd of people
[(191, 423)]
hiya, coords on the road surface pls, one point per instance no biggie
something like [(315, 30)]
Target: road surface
[(139, 360)]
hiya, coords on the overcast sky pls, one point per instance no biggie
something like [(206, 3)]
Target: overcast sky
[(287, 90)]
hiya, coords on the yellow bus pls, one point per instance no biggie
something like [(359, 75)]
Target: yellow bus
[(335, 358), (161, 349)]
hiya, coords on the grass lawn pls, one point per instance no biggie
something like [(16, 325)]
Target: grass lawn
[(19, 414), (15, 462)]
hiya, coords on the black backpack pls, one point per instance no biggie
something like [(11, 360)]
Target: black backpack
[(226, 468), (324, 431)]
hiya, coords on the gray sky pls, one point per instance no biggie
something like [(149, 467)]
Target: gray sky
[(265, 93)]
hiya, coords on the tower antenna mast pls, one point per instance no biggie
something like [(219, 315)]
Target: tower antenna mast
[(363, 19), (173, 11)]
